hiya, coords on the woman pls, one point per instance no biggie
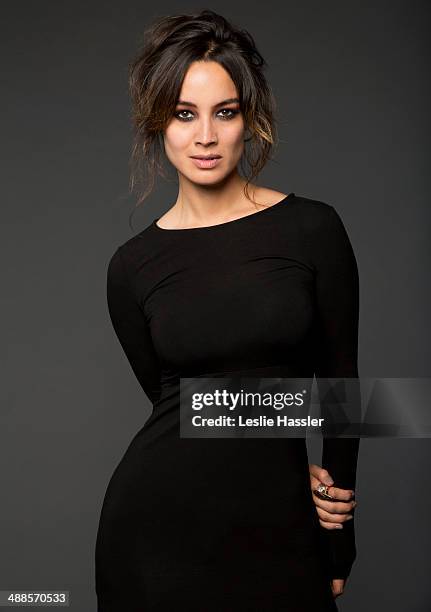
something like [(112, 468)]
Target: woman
[(234, 278)]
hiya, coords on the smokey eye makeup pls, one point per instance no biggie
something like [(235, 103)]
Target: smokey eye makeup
[(230, 114)]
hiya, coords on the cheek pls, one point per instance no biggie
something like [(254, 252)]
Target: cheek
[(176, 139), (233, 136)]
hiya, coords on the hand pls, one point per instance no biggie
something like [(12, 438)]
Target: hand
[(332, 514), (337, 586)]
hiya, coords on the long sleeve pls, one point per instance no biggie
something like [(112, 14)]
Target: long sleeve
[(131, 327), (337, 297)]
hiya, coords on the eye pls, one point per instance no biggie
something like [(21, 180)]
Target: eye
[(178, 113), (231, 114), (232, 111)]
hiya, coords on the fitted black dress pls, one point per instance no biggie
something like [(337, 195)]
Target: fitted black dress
[(228, 524)]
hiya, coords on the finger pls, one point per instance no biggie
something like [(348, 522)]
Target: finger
[(314, 481), (341, 494), (334, 507), (336, 494), (328, 525), (321, 474), (313, 468), (333, 518), (337, 586)]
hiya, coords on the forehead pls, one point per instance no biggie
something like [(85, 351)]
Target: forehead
[(207, 83)]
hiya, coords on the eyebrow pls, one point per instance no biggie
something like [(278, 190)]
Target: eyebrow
[(228, 101)]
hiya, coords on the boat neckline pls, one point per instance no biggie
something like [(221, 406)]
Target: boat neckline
[(224, 223)]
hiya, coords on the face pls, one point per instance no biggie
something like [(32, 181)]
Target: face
[(205, 123)]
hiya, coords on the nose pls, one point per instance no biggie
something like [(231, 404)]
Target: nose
[(205, 132)]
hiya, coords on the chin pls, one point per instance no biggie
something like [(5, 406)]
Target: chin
[(206, 177), (215, 180)]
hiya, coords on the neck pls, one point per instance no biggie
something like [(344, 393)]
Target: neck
[(202, 204)]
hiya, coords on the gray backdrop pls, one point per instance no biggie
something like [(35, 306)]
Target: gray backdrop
[(352, 86)]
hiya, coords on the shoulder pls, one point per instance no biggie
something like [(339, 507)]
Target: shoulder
[(313, 213), (265, 196), (324, 233), (138, 248), (321, 227), (137, 261), (317, 218)]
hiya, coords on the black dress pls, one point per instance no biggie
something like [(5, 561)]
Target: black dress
[(218, 525)]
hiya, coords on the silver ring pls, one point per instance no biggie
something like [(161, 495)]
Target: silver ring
[(323, 491)]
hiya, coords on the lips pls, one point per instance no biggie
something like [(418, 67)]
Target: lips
[(206, 163), (205, 156)]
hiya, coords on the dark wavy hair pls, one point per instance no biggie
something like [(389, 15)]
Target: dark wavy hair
[(169, 46)]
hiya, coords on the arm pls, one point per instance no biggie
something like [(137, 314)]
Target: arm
[(337, 297), (131, 327)]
